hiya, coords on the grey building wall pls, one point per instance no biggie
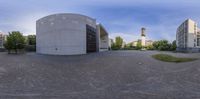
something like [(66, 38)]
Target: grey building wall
[(103, 39), (62, 34), (190, 50)]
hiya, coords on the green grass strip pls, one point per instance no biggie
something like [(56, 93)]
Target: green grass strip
[(169, 58)]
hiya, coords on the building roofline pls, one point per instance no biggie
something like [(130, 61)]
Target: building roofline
[(65, 14), (99, 24)]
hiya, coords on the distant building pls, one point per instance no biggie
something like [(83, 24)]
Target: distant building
[(147, 42), (2, 39), (123, 44), (143, 37), (188, 37), (134, 43), (143, 40)]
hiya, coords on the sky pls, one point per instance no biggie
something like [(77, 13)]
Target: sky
[(123, 18)]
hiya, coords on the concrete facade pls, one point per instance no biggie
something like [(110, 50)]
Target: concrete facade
[(64, 34), (143, 37), (143, 41), (188, 37), (103, 38)]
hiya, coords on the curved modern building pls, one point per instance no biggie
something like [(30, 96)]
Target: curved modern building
[(69, 34)]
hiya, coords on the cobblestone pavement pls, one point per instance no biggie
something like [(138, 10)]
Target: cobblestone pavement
[(107, 75)]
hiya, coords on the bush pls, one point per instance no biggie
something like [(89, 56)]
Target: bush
[(150, 47), (15, 41), (31, 40), (164, 45), (139, 45)]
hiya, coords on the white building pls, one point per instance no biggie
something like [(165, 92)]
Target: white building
[(2, 39), (188, 36), (143, 37), (103, 38), (70, 34), (147, 42), (144, 41), (111, 42)]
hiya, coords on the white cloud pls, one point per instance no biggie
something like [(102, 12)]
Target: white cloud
[(25, 24), (126, 3), (127, 37)]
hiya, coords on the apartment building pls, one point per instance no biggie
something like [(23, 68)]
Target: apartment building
[(188, 37), (2, 38)]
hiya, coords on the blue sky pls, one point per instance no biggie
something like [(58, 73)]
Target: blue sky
[(120, 17)]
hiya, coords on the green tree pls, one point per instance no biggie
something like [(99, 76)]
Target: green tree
[(156, 45), (113, 47), (150, 47), (31, 40), (162, 45), (31, 43), (173, 46), (118, 42), (15, 41), (139, 45), (129, 45)]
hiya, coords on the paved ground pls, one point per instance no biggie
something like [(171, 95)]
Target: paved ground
[(108, 75)]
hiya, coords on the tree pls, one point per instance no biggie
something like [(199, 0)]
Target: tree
[(156, 45), (118, 42), (15, 41), (31, 40), (31, 43), (173, 46), (139, 45), (164, 45), (129, 45), (150, 47), (113, 47)]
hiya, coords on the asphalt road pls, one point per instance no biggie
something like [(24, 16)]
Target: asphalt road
[(107, 75)]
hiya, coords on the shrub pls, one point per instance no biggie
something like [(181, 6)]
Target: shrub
[(15, 41), (150, 47)]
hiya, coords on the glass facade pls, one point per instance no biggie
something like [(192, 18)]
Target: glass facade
[(91, 39)]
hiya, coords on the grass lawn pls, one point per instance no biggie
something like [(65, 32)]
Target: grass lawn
[(169, 58)]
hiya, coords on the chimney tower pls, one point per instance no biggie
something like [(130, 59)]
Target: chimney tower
[(143, 36)]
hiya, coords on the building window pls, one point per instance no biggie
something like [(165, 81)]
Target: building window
[(91, 39)]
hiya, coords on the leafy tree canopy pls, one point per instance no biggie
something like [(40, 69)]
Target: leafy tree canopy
[(15, 41)]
